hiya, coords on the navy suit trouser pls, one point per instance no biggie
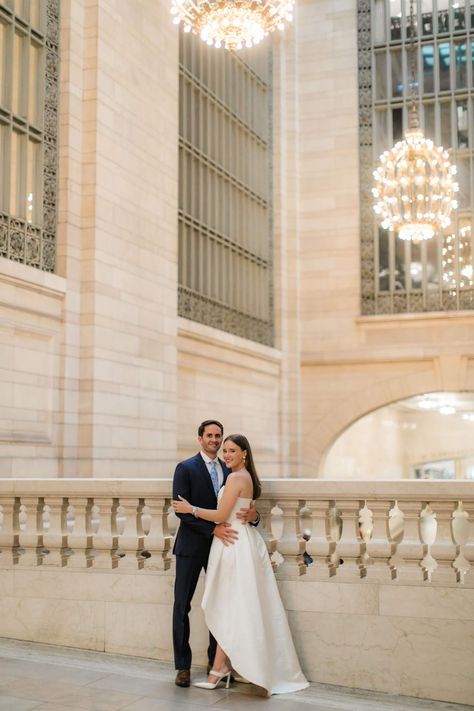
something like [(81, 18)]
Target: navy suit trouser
[(188, 569)]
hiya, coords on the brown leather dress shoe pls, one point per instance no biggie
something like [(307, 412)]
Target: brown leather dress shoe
[(183, 677)]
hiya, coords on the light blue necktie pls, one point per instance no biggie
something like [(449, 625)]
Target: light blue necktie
[(214, 477)]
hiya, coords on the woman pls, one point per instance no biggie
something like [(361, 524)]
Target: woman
[(241, 602)]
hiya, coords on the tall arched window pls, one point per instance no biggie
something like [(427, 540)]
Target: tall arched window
[(29, 69), (225, 255), (437, 275)]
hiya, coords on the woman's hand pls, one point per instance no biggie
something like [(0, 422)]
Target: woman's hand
[(182, 506)]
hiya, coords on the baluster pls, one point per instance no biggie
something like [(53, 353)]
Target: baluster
[(460, 527), (31, 534), (321, 546), (158, 541), (291, 545), (469, 546), (410, 549), (264, 507), (395, 535), (428, 530), (131, 534), (443, 548), (80, 538), (55, 534), (379, 545), (106, 538), (9, 533), (351, 547)]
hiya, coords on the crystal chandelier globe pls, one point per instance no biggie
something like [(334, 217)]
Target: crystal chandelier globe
[(414, 186), (232, 24)]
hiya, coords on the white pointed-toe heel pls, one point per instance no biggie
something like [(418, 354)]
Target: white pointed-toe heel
[(221, 676)]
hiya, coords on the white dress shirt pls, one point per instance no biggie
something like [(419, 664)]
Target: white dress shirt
[(220, 473)]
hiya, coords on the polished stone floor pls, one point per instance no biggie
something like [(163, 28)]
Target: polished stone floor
[(47, 678)]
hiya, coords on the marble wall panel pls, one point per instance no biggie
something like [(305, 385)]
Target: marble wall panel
[(406, 655), (72, 623)]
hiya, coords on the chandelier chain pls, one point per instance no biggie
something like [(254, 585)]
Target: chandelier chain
[(413, 119)]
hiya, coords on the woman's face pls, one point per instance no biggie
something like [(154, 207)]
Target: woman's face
[(233, 455)]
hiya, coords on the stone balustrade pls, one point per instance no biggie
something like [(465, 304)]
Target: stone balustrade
[(408, 531)]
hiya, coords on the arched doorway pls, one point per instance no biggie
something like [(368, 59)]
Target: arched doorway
[(429, 436)]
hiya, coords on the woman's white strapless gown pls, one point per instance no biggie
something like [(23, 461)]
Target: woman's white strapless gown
[(244, 611)]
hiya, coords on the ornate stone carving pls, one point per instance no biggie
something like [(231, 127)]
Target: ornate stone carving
[(200, 308), (20, 241)]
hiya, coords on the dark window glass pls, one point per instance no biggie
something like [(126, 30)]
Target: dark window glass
[(428, 68), (462, 121), (381, 136), (443, 21), (459, 16), (399, 264), (444, 64), (381, 76), (395, 20), (384, 269), (397, 76), (463, 178), (445, 114), (432, 269), (427, 18), (397, 124), (379, 21), (460, 64), (416, 267), (472, 54), (429, 121)]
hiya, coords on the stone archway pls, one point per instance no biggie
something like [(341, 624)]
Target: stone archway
[(370, 386)]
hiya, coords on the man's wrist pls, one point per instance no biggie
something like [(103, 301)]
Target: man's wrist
[(256, 521)]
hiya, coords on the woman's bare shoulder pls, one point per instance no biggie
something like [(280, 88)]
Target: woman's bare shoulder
[(241, 475), (245, 481)]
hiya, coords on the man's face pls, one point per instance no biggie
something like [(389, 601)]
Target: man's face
[(211, 440)]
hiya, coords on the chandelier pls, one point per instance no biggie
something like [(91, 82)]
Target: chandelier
[(414, 186), (232, 24)]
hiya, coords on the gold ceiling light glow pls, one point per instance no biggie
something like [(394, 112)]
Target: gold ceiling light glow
[(414, 185), (232, 24)]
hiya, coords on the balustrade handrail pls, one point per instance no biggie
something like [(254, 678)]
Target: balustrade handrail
[(402, 529), (290, 488)]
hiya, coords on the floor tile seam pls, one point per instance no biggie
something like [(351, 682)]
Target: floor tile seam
[(76, 664)]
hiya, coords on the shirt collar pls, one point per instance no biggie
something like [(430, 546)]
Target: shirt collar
[(208, 460)]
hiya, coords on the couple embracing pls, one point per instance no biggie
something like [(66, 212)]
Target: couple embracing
[(247, 623)]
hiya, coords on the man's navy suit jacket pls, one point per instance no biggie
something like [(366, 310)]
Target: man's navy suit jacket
[(193, 482)]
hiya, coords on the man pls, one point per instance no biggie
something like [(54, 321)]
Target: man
[(198, 480)]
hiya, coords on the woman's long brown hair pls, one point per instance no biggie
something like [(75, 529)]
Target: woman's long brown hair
[(244, 444)]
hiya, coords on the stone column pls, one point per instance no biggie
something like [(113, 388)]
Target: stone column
[(118, 237)]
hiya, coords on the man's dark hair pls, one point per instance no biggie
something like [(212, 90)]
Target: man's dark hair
[(204, 424)]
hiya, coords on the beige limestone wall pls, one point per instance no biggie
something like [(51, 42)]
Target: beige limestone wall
[(127, 261), (234, 380), (350, 365), (31, 307)]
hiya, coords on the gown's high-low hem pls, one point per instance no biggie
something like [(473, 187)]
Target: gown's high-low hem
[(244, 611)]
